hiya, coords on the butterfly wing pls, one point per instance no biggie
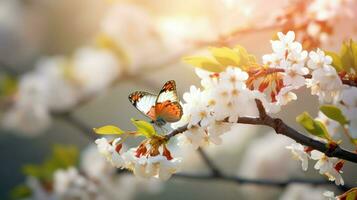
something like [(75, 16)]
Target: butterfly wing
[(167, 105), (144, 102)]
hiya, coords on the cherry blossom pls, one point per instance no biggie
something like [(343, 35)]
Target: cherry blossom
[(95, 69), (152, 166), (69, 184), (111, 151), (299, 153), (326, 166)]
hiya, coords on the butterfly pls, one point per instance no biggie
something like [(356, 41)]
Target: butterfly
[(161, 108)]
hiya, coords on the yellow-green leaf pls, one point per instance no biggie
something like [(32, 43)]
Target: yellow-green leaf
[(314, 127), (334, 113), (245, 58), (349, 195), (225, 56), (144, 128), (205, 63), (336, 60), (8, 85), (108, 130), (347, 57), (354, 54)]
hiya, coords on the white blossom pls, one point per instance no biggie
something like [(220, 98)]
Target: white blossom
[(326, 166), (135, 34), (349, 99), (299, 153), (323, 10), (325, 81), (59, 92), (208, 79), (195, 136), (329, 195), (69, 184), (196, 108), (318, 60), (295, 75), (152, 166), (95, 69), (285, 95), (110, 151), (285, 43)]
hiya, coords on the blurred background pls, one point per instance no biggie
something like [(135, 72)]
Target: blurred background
[(67, 66)]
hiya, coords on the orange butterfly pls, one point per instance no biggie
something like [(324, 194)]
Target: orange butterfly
[(162, 108)]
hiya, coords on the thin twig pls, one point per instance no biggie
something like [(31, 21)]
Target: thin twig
[(261, 181), (214, 169), (83, 128), (252, 181)]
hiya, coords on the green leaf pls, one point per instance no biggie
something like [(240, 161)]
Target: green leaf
[(334, 113), (351, 196), (225, 56), (205, 63), (144, 128), (336, 60), (108, 130), (8, 85), (20, 192), (314, 127), (347, 56), (354, 54)]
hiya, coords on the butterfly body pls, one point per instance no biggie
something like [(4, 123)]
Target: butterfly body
[(163, 108)]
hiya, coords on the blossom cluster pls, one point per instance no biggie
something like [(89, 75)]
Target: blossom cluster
[(314, 21), (330, 167), (297, 63), (93, 179), (57, 84), (227, 95), (220, 100), (150, 159)]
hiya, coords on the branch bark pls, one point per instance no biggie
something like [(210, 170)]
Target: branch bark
[(281, 128)]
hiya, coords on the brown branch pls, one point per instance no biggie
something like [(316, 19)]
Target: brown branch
[(281, 128), (351, 83)]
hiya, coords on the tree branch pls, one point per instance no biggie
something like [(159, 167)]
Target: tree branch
[(262, 182), (281, 128), (351, 83), (214, 169)]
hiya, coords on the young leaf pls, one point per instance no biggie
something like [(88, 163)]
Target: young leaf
[(226, 56), (246, 59), (144, 128), (334, 113), (208, 64), (314, 127), (354, 53), (347, 57), (108, 130)]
